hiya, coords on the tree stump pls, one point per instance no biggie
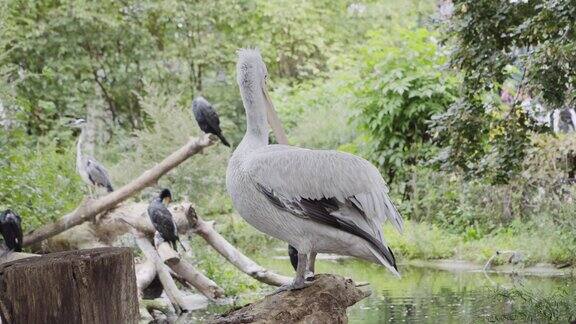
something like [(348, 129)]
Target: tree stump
[(84, 286), (325, 301)]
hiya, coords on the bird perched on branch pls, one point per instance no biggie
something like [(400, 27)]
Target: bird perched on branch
[(207, 118), (91, 171), (11, 230), (315, 200), (162, 219)]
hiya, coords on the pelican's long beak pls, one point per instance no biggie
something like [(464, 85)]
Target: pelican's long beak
[(273, 119)]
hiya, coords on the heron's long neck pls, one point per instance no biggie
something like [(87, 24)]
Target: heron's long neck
[(79, 155), (256, 121)]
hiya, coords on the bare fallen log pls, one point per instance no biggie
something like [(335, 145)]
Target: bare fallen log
[(87, 286), (325, 301), (174, 294), (112, 224), (189, 273), (145, 274), (159, 304), (88, 209), (228, 251)]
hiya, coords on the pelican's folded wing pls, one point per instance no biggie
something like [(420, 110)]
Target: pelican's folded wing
[(296, 174)]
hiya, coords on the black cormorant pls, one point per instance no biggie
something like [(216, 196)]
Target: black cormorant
[(207, 118), (162, 218), (10, 227)]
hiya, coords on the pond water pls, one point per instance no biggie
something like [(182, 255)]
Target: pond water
[(425, 295)]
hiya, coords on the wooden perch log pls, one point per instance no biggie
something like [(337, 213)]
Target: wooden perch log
[(90, 208), (145, 274), (325, 301), (228, 251), (167, 253), (172, 291), (189, 273), (114, 223), (87, 286)]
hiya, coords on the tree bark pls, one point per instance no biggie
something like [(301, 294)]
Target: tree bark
[(90, 208), (145, 274), (112, 224), (228, 251), (189, 273), (325, 301), (86, 286), (174, 294)]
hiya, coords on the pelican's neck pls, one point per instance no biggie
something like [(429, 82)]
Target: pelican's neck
[(256, 122)]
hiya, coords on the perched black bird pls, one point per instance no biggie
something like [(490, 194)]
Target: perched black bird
[(207, 118), (11, 230), (162, 218)]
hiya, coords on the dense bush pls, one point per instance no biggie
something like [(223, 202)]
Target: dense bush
[(38, 181), (529, 44), (400, 88), (201, 179)]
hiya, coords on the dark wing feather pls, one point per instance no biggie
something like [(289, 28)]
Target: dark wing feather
[(323, 211), (163, 221)]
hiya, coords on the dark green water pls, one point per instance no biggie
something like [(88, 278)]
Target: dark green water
[(428, 296), (424, 295)]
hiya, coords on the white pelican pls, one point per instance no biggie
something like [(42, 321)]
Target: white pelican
[(315, 200)]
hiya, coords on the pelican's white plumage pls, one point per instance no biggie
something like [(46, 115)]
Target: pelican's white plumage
[(316, 200)]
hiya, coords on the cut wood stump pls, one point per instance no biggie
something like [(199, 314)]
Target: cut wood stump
[(84, 286), (325, 301)]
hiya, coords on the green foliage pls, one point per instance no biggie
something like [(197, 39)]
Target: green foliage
[(401, 87), (39, 181), (215, 267), (422, 241), (200, 179), (528, 43), (316, 114), (537, 306)]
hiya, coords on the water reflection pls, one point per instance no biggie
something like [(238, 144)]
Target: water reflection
[(424, 295), (427, 295)]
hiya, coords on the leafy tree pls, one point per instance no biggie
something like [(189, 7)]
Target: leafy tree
[(527, 44), (402, 86)]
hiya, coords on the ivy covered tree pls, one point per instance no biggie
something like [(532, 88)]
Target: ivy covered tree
[(510, 53)]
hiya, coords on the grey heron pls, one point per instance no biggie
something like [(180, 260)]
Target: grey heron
[(91, 171), (11, 230), (318, 201), (207, 118), (162, 219)]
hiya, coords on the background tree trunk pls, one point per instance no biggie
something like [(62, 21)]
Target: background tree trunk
[(85, 286)]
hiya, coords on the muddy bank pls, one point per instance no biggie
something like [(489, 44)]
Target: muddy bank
[(539, 269)]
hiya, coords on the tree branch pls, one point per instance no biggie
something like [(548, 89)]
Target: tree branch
[(173, 293), (90, 208), (228, 251), (189, 273)]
